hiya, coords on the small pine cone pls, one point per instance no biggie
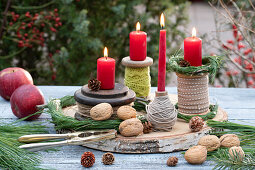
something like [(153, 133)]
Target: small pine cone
[(172, 161), (94, 84), (147, 127), (184, 63), (196, 123), (108, 158), (87, 159)]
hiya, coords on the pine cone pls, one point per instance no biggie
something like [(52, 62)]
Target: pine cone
[(87, 159), (147, 127), (196, 123), (108, 158), (172, 161), (184, 63), (94, 84)]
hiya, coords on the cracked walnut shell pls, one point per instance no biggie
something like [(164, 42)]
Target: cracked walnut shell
[(196, 154), (229, 140), (211, 142)]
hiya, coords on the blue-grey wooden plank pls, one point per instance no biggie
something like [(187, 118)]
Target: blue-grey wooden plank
[(239, 103)]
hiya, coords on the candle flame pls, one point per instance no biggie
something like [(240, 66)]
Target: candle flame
[(162, 20), (138, 26), (105, 52), (194, 32)]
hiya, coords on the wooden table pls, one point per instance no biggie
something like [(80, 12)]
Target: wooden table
[(239, 103)]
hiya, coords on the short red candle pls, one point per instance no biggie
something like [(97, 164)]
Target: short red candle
[(193, 49), (138, 44), (162, 57), (106, 72)]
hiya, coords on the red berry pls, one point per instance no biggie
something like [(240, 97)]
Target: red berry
[(17, 16), (29, 25), (230, 41), (11, 23), (240, 46), (56, 14), (23, 27), (42, 24), (55, 10), (53, 77), (13, 13), (228, 73), (240, 38), (234, 30), (56, 25), (57, 19), (53, 29), (28, 14), (250, 82), (227, 47), (248, 51), (60, 23), (23, 23), (25, 34)]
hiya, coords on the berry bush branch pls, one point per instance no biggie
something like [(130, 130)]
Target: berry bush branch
[(4, 22), (239, 51)]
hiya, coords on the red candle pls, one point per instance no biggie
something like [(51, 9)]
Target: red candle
[(138, 44), (162, 56), (106, 71), (193, 49)]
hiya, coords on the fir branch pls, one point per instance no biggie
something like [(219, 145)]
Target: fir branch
[(11, 156), (224, 160)]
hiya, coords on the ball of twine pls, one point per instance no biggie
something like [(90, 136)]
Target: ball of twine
[(161, 113)]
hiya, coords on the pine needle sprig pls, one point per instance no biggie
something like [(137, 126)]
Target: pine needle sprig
[(225, 161), (11, 156)]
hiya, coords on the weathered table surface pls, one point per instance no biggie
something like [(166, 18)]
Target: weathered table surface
[(239, 103)]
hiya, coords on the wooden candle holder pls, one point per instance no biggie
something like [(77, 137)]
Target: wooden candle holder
[(86, 98), (137, 75), (193, 93)]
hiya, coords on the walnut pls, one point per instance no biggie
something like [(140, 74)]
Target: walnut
[(126, 112), (101, 111), (196, 154), (131, 127), (236, 153), (229, 140), (211, 142)]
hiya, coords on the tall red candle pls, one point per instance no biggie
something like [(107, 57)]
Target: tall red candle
[(106, 71), (193, 49), (162, 56), (138, 44)]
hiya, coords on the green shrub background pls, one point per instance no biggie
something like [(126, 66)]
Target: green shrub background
[(88, 26)]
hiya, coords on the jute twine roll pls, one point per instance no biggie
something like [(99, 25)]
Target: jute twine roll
[(192, 94), (161, 113)]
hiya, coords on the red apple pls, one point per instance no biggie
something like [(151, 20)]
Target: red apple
[(24, 101), (11, 78)]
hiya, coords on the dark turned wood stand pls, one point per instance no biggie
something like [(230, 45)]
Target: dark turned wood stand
[(119, 96)]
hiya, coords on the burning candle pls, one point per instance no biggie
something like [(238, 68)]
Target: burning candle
[(193, 49), (106, 71), (138, 44), (162, 56)]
